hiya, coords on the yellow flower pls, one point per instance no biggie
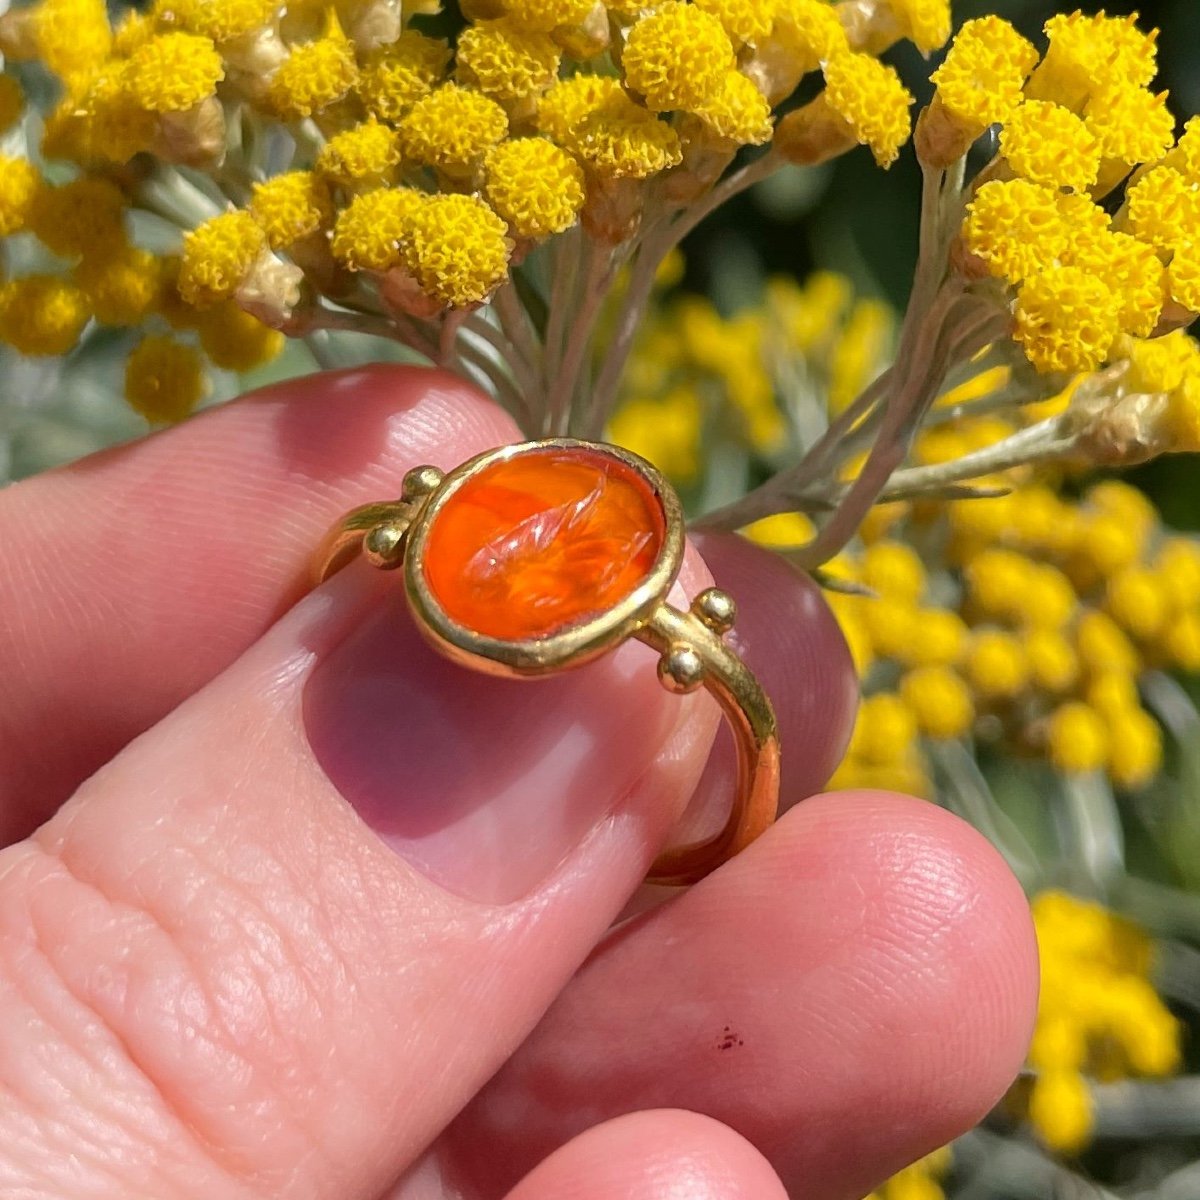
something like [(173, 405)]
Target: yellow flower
[(217, 257), (457, 249), (885, 730), (164, 379), (570, 101), (1182, 642), (368, 231), (665, 430), (452, 129), (291, 206), (743, 20), (1134, 274), (1102, 647), (535, 186), (619, 139), (397, 75), (1046, 600), (1066, 320), (1181, 424), (314, 75), (939, 639), (364, 156), (995, 578), (891, 626), (1015, 228), (72, 36), (1053, 665), (122, 284), (133, 30), (1049, 144), (1106, 542), (1132, 125), (676, 57), (1183, 276), (870, 98), (1086, 51), (1097, 1012), (860, 352), (1110, 692), (173, 72), (1135, 598), (12, 102), (1185, 157), (20, 185), (738, 111), (1077, 739), (42, 315), (236, 341), (1163, 208), (506, 61), (1060, 1109), (542, 16), (79, 216), (224, 20), (809, 33), (980, 81), (1178, 566), (996, 664), (111, 123), (781, 531), (926, 23), (940, 701), (894, 570), (1135, 749)]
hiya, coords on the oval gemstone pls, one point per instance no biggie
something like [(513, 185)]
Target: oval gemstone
[(539, 542)]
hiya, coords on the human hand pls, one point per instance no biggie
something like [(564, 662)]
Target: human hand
[(216, 980)]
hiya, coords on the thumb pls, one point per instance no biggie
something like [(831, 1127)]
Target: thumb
[(280, 940)]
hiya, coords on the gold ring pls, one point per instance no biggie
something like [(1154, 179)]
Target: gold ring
[(541, 556)]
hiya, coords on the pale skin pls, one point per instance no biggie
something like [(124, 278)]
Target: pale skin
[(292, 908)]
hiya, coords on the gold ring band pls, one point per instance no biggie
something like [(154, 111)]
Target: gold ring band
[(541, 556)]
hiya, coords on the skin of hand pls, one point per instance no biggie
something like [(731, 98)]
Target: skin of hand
[(292, 907)]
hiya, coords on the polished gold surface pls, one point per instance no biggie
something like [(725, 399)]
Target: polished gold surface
[(692, 653)]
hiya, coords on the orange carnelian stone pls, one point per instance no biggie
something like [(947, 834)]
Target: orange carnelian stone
[(541, 541)]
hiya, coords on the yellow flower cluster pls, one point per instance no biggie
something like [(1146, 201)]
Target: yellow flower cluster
[(1098, 1015), (1034, 615), (423, 169), (1075, 124), (1061, 606)]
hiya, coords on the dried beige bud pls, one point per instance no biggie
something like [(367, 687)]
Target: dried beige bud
[(194, 137)]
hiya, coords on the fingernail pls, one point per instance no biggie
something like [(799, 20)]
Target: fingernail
[(483, 784)]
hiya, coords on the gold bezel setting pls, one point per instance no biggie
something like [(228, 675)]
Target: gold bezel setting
[(577, 643), (690, 642)]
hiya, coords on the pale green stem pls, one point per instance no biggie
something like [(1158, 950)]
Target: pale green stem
[(902, 413), (491, 348), (964, 790), (1039, 443), (633, 308), (499, 383), (656, 244), (518, 328), (318, 343), (564, 266), (1091, 827), (597, 277), (479, 326), (997, 1166)]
